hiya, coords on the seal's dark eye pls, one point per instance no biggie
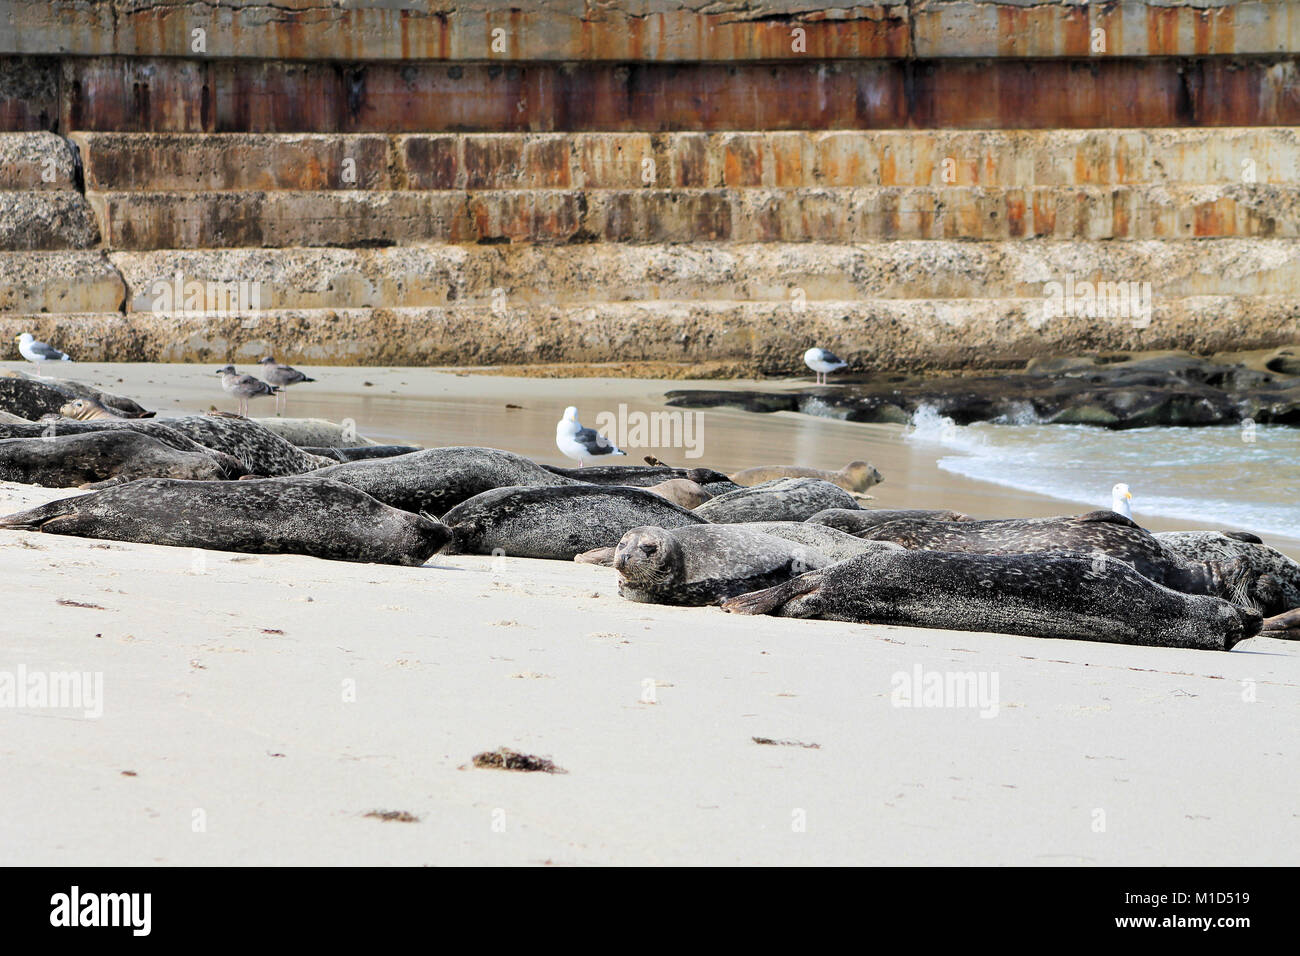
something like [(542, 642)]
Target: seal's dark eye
[(649, 548)]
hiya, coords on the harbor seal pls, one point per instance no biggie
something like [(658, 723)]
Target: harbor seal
[(837, 545), (87, 409), (260, 450), (556, 522), (69, 461), (1097, 532), (1274, 578), (44, 396), (360, 452), (856, 476), (700, 564), (856, 521), (643, 476), (1059, 595), (682, 492), (153, 428), (437, 479), (786, 499), (324, 519), (315, 432)]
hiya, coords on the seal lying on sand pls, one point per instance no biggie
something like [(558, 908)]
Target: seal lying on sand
[(681, 491), (786, 499), (1097, 533), (702, 564), (556, 522), (643, 476), (360, 452), (324, 519), (154, 429), (315, 432), (857, 520), (1275, 578), (836, 545), (855, 476), (257, 448), (1059, 595), (87, 409), (437, 479), (44, 396), (68, 461)]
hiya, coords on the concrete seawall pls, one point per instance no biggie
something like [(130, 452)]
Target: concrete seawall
[(905, 183)]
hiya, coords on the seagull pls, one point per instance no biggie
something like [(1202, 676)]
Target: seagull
[(822, 361), (578, 443), (244, 387), (1120, 497), (38, 352), (282, 376)]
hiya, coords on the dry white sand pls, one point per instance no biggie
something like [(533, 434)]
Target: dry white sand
[(256, 709)]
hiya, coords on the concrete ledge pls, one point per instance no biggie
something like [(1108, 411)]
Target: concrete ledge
[(761, 337), (59, 282), (46, 219), (143, 221), (647, 30), (1007, 158), (526, 276)]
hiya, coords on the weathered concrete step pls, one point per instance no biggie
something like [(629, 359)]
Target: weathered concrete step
[(140, 221), (638, 31), (532, 275), (805, 158), (31, 161), (46, 219), (880, 333), (59, 282), (231, 96)]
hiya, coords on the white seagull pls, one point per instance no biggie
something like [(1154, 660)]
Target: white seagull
[(243, 387), (578, 443), (1120, 497), (38, 352), (823, 361)]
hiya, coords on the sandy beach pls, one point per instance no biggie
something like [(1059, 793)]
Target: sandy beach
[(273, 709)]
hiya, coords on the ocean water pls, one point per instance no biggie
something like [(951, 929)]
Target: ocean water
[(1245, 478)]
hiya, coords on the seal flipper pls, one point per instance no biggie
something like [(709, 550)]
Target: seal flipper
[(1106, 517), (1284, 626), (770, 600), (1243, 536), (602, 556)]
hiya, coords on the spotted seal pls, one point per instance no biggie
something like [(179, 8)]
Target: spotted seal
[(437, 479), (257, 448), (324, 519), (856, 476), (857, 520), (1274, 578), (1057, 594), (558, 521), (1102, 533), (786, 499), (31, 398), (700, 564), (68, 461), (643, 476)]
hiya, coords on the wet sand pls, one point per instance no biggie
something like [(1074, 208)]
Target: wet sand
[(257, 709)]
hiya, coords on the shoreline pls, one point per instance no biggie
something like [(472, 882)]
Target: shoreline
[(278, 700)]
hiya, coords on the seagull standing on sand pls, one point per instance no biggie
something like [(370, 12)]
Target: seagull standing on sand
[(243, 387), (282, 376), (38, 352), (823, 361), (578, 443), (1120, 497)]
